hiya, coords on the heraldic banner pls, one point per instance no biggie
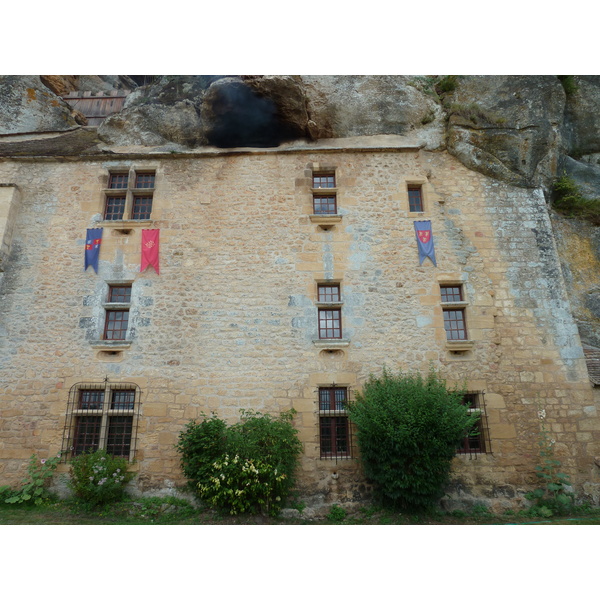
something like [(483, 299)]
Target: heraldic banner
[(150, 247), (93, 240), (425, 241)]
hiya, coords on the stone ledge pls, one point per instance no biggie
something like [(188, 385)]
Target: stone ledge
[(110, 344), (459, 345), (325, 221), (331, 344), (124, 223)]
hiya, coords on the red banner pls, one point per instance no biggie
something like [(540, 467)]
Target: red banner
[(150, 247)]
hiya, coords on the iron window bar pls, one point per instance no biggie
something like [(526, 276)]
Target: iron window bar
[(335, 429), (102, 415)]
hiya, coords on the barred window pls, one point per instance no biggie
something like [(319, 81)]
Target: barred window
[(477, 440), (101, 416), (334, 427)]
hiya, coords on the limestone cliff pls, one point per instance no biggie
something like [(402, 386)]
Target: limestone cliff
[(523, 130)]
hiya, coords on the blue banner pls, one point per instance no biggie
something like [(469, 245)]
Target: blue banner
[(93, 241), (425, 241)]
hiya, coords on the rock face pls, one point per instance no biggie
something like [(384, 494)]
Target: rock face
[(27, 105), (523, 130), (508, 127)]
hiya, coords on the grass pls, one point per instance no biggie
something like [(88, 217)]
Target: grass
[(173, 511)]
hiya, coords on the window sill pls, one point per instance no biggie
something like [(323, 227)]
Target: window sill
[(124, 223), (326, 221), (331, 344), (459, 345), (110, 344)]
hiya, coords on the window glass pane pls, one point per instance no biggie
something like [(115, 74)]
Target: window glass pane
[(340, 398), (451, 293), (326, 434), (115, 206), (118, 181), (87, 434), (324, 180), (341, 435), (415, 200), (330, 324), (119, 293), (329, 293), (123, 399), (454, 324), (118, 438), (324, 205), (334, 436), (116, 324), (91, 399), (142, 207), (144, 180), (324, 399)]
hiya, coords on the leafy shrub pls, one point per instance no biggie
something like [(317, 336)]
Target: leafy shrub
[(200, 444), (409, 429), (568, 199), (35, 486), (336, 514), (554, 495), (98, 478), (446, 84), (5, 492), (242, 468)]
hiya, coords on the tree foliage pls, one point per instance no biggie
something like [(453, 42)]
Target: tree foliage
[(408, 431)]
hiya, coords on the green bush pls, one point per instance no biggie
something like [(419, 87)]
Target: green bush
[(408, 431), (568, 199), (242, 468), (35, 486), (97, 478)]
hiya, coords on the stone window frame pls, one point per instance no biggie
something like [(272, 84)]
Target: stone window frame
[(458, 306), (134, 190), (112, 307), (325, 220), (329, 306), (416, 184), (329, 343)]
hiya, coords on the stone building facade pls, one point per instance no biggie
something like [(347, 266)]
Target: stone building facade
[(254, 284)]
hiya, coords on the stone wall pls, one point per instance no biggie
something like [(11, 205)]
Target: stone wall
[(231, 321)]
